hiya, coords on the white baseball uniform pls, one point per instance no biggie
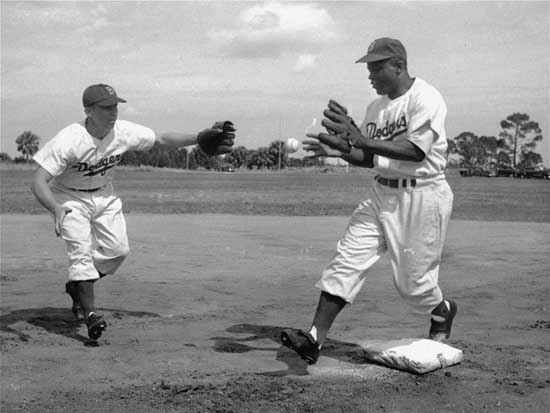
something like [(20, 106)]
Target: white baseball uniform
[(83, 166), (409, 206)]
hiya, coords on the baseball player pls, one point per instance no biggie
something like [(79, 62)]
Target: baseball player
[(74, 182), (402, 137)]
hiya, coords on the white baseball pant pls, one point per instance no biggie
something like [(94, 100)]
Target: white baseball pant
[(94, 233), (409, 223)]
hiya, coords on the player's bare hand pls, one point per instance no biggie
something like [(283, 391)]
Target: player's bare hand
[(59, 216), (319, 149)]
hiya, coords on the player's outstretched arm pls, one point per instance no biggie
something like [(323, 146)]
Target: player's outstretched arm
[(216, 140), (41, 189), (177, 139)]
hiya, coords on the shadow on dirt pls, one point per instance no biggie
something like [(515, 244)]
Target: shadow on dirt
[(339, 350), (58, 321)]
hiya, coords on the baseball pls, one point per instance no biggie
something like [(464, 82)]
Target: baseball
[(291, 145)]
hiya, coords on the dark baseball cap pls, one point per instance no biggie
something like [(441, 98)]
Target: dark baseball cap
[(101, 95), (382, 49)]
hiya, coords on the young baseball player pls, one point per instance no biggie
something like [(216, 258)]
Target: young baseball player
[(402, 137), (74, 182)]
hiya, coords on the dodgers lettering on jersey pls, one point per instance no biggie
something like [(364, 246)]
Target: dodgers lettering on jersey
[(410, 116), (100, 168), (77, 160), (389, 131)]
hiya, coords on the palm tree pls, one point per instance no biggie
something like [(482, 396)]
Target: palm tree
[(27, 144), (521, 134)]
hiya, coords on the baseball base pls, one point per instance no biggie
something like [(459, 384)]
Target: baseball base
[(416, 355)]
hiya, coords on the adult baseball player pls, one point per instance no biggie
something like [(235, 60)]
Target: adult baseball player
[(74, 182), (406, 214)]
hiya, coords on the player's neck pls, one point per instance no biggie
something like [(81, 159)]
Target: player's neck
[(402, 87), (95, 130)]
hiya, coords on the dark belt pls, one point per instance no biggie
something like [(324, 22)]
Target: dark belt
[(395, 183), (86, 190)]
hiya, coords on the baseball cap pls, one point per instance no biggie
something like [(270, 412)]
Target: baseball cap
[(382, 49), (101, 95)]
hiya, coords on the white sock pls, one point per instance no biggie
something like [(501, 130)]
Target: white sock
[(313, 332)]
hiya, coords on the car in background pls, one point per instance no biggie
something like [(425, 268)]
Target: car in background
[(506, 171), (537, 172), (225, 168), (477, 171)]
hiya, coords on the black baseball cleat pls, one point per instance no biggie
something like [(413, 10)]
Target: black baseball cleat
[(96, 324), (441, 330), (302, 343), (70, 288)]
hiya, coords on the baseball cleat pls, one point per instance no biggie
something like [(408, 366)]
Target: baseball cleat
[(96, 324), (302, 343), (76, 308), (441, 330)]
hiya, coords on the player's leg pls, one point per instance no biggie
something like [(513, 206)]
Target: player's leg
[(361, 246), (442, 316), (415, 232), (76, 232), (71, 289), (109, 233)]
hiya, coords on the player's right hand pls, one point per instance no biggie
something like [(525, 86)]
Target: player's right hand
[(59, 217), (319, 149)]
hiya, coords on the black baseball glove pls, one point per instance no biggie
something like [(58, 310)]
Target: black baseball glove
[(343, 133), (218, 139)]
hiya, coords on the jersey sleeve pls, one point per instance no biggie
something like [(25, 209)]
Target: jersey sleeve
[(54, 156), (137, 137), (427, 110), (423, 137)]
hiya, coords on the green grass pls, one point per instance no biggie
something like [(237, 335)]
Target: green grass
[(302, 193)]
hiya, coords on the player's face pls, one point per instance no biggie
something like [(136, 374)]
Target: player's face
[(383, 77), (104, 116)]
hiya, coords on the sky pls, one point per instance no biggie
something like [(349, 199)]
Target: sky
[(270, 67)]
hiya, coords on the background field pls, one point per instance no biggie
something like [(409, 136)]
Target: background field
[(290, 193), (195, 313)]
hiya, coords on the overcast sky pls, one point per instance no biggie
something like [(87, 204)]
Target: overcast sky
[(268, 66)]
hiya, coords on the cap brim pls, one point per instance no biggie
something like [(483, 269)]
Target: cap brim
[(110, 101), (368, 58)]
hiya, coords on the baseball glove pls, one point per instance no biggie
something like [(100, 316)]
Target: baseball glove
[(218, 139), (343, 134)]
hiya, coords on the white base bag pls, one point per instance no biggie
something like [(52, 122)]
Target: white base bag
[(416, 355)]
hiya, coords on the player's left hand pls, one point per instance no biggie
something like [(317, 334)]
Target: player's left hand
[(319, 149), (343, 134), (218, 139)]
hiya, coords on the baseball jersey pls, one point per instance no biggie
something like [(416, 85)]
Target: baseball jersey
[(410, 116), (77, 160)]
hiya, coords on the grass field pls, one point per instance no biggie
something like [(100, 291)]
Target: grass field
[(287, 193)]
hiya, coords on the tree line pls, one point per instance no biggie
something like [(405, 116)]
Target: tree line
[(514, 147)]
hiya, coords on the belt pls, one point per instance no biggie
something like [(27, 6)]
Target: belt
[(86, 190), (395, 183)]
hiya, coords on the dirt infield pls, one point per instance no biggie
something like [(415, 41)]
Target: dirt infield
[(195, 312)]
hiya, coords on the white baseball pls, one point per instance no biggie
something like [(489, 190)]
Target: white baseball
[(291, 145)]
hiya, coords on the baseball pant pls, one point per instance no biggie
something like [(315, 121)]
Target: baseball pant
[(94, 233), (409, 223)]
